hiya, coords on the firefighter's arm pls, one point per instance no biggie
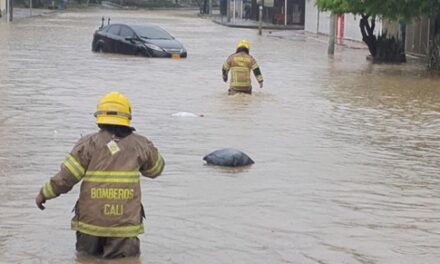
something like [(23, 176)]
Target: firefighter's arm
[(225, 70), (154, 162), (257, 72), (71, 172)]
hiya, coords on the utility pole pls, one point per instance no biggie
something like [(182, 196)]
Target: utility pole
[(11, 11), (260, 20), (30, 7), (210, 7), (331, 35), (285, 13), (228, 10), (233, 10)]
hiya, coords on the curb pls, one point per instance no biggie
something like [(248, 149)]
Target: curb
[(274, 27)]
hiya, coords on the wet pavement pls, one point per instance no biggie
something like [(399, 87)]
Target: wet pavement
[(347, 153)]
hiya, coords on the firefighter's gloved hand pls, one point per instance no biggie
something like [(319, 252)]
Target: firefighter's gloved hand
[(40, 200), (261, 84)]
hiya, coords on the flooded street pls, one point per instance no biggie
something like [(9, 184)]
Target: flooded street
[(346, 153)]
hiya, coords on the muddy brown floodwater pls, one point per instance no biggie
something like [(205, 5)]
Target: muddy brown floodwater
[(347, 153)]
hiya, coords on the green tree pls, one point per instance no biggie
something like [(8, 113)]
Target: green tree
[(369, 10)]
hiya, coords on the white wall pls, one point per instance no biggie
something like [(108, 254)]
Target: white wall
[(324, 22), (316, 22), (3, 7), (320, 23), (352, 30), (311, 17), (351, 27)]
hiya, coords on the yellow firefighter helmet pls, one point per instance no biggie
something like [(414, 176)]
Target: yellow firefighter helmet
[(243, 44), (113, 109)]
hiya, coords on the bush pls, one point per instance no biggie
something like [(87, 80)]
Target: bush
[(389, 49)]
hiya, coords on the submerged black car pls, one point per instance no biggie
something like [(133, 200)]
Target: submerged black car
[(145, 40)]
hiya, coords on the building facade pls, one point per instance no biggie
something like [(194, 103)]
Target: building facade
[(347, 25), (284, 12), (279, 12)]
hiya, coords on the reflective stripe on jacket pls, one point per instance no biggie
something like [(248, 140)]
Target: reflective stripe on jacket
[(109, 203), (240, 64)]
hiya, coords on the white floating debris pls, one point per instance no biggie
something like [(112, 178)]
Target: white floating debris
[(186, 114)]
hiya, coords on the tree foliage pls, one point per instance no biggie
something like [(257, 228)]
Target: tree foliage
[(390, 9)]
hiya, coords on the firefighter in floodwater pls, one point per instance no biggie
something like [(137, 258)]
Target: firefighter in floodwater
[(108, 213), (240, 64)]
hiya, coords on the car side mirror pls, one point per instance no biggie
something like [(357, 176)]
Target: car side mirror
[(131, 39)]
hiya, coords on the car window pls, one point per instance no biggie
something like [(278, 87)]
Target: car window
[(151, 32), (126, 32), (114, 30)]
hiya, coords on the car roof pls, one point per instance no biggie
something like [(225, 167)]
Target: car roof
[(134, 25), (144, 26)]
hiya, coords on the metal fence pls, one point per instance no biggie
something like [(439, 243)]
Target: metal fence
[(419, 35)]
